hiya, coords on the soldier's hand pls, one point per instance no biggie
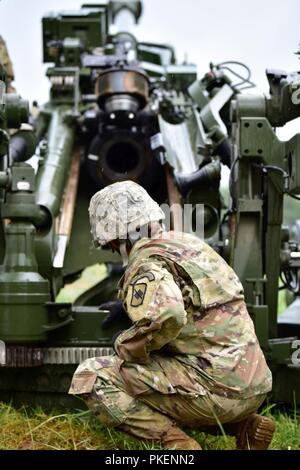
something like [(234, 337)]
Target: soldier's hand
[(116, 313)]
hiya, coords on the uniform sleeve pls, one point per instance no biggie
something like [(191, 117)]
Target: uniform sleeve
[(155, 305)]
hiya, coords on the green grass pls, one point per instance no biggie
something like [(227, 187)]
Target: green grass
[(36, 430), (90, 277)]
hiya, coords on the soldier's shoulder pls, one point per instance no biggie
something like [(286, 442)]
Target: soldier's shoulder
[(150, 270), (140, 289)]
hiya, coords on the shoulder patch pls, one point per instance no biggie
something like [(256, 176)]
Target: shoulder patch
[(149, 275), (139, 290)]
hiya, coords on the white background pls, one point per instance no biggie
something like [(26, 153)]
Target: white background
[(261, 33)]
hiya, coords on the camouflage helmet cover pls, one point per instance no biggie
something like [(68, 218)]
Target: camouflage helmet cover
[(120, 209)]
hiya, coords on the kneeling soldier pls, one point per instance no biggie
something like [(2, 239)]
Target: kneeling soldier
[(191, 356)]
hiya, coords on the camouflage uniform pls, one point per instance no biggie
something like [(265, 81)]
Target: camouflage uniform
[(7, 64), (191, 355)]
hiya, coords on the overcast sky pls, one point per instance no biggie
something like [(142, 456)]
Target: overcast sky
[(261, 33)]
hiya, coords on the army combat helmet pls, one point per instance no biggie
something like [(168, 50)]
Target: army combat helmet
[(118, 211)]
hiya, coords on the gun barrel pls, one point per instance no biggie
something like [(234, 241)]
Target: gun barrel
[(53, 173)]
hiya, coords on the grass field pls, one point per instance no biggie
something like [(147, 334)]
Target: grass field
[(25, 430), (89, 278)]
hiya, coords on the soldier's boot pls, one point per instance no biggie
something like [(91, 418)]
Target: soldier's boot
[(176, 439), (254, 433)]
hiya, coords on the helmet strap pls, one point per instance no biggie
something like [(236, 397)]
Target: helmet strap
[(123, 253)]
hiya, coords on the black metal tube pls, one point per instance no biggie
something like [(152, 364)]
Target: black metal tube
[(208, 174)]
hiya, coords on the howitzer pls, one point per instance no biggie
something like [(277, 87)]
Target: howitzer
[(122, 109)]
